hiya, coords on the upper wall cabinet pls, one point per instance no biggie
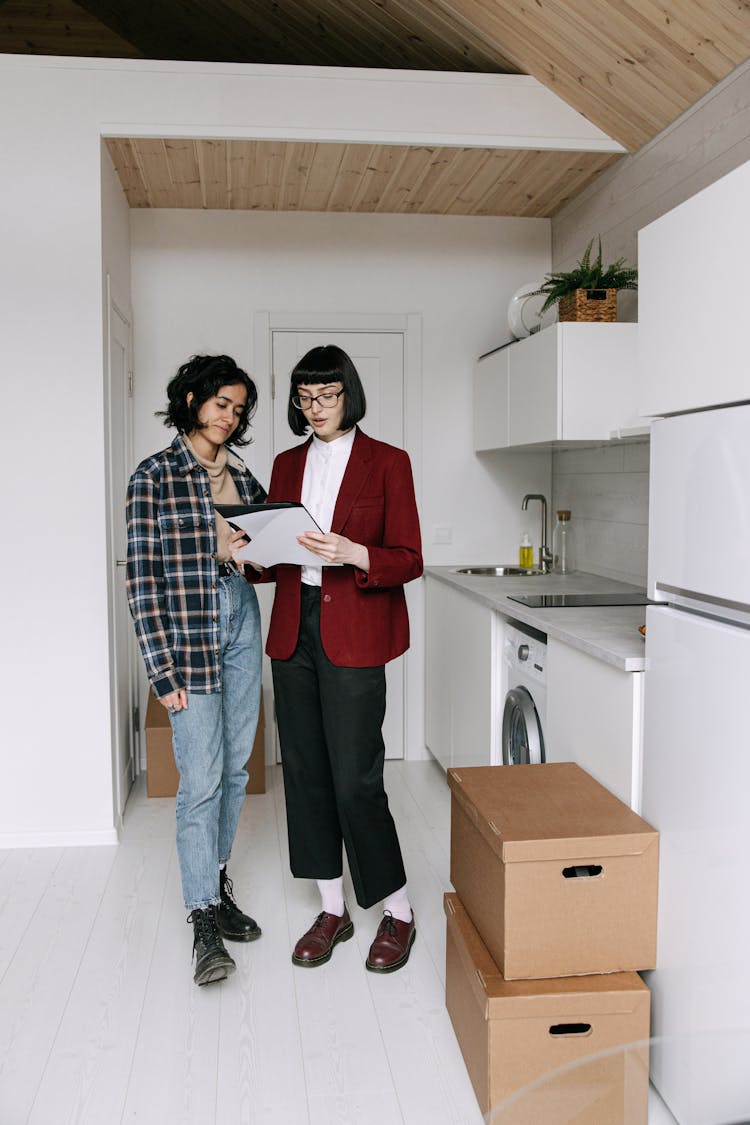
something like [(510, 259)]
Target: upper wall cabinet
[(692, 286), (567, 383)]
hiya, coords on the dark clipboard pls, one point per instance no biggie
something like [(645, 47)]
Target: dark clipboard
[(230, 510)]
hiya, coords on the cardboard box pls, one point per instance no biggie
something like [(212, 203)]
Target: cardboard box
[(513, 1033), (162, 777), (558, 875)]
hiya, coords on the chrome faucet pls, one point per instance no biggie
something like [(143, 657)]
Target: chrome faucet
[(545, 555)]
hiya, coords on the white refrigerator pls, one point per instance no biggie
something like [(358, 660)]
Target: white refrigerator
[(696, 761)]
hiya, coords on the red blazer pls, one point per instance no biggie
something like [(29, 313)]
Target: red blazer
[(363, 618)]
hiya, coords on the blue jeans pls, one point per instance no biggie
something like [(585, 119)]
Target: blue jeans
[(213, 740)]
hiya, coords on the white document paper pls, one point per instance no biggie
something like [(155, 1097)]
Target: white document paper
[(273, 530)]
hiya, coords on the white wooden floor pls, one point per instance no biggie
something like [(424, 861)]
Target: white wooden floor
[(100, 1022)]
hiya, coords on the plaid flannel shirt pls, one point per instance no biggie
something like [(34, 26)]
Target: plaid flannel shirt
[(172, 575)]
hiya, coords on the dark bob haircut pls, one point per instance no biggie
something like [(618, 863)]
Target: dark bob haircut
[(327, 364), (204, 375)]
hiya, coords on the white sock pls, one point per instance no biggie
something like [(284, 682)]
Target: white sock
[(332, 895), (398, 904)]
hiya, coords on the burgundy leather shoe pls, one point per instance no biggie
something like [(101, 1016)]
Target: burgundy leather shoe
[(392, 944), (316, 946)]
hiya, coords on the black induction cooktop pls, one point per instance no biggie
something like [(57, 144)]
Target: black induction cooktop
[(570, 601)]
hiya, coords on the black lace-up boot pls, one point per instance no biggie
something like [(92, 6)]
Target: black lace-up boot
[(233, 924), (212, 962)]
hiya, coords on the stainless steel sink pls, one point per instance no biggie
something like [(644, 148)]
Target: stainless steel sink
[(497, 571)]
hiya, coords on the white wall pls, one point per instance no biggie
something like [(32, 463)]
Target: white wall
[(115, 290), (56, 772), (56, 750), (608, 489), (115, 233), (200, 276), (701, 146)]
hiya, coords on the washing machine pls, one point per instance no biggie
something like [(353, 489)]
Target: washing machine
[(525, 703)]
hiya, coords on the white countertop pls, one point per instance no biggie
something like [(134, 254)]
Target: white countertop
[(609, 633)]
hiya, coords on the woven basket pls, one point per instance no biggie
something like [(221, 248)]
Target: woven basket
[(589, 305)]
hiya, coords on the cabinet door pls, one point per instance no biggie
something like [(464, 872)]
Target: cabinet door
[(460, 696), (598, 377), (691, 318), (594, 719), (533, 397), (491, 401), (473, 669)]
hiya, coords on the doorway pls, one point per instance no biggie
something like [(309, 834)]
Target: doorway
[(123, 682), (385, 351), (379, 359)]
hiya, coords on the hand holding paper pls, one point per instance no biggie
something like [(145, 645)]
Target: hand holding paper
[(333, 549), (272, 530), (237, 544)]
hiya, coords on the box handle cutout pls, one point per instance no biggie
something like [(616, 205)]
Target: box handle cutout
[(570, 1029), (583, 871)]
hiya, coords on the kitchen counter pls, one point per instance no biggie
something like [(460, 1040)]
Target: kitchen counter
[(609, 633)]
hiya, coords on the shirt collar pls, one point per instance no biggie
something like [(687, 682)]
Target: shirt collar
[(337, 447)]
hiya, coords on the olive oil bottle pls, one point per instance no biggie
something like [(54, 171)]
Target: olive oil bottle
[(526, 552)]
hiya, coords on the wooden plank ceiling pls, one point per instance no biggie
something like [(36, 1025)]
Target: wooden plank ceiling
[(287, 176), (630, 66)]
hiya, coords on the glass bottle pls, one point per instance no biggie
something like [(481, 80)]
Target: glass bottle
[(563, 547), (526, 552)]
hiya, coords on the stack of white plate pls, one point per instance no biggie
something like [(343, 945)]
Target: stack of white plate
[(524, 311)]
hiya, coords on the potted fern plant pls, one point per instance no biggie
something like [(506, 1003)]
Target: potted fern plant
[(589, 291)]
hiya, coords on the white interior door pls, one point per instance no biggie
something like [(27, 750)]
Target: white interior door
[(379, 359), (123, 680)]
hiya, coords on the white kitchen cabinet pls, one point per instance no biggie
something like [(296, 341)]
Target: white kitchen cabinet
[(462, 644), (594, 718), (567, 383), (491, 400), (692, 262)]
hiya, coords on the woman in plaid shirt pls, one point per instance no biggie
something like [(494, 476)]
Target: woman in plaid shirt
[(198, 627)]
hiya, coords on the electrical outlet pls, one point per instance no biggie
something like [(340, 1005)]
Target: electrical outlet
[(442, 535)]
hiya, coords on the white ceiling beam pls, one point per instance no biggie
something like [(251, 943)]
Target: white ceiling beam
[(174, 99)]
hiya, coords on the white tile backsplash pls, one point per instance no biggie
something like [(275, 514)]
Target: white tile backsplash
[(606, 489), (636, 456)]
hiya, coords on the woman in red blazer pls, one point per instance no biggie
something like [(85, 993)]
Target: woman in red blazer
[(333, 629)]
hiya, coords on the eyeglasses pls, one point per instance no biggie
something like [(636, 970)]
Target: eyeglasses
[(327, 400)]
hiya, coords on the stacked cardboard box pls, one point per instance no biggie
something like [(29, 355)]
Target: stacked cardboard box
[(162, 777), (554, 913)]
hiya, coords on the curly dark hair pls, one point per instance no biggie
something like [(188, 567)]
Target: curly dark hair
[(327, 364), (204, 375)]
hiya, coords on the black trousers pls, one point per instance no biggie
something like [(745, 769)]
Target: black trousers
[(332, 754)]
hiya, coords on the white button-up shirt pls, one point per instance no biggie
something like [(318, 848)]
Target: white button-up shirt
[(324, 471)]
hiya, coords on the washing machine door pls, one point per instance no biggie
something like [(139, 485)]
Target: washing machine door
[(522, 739)]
